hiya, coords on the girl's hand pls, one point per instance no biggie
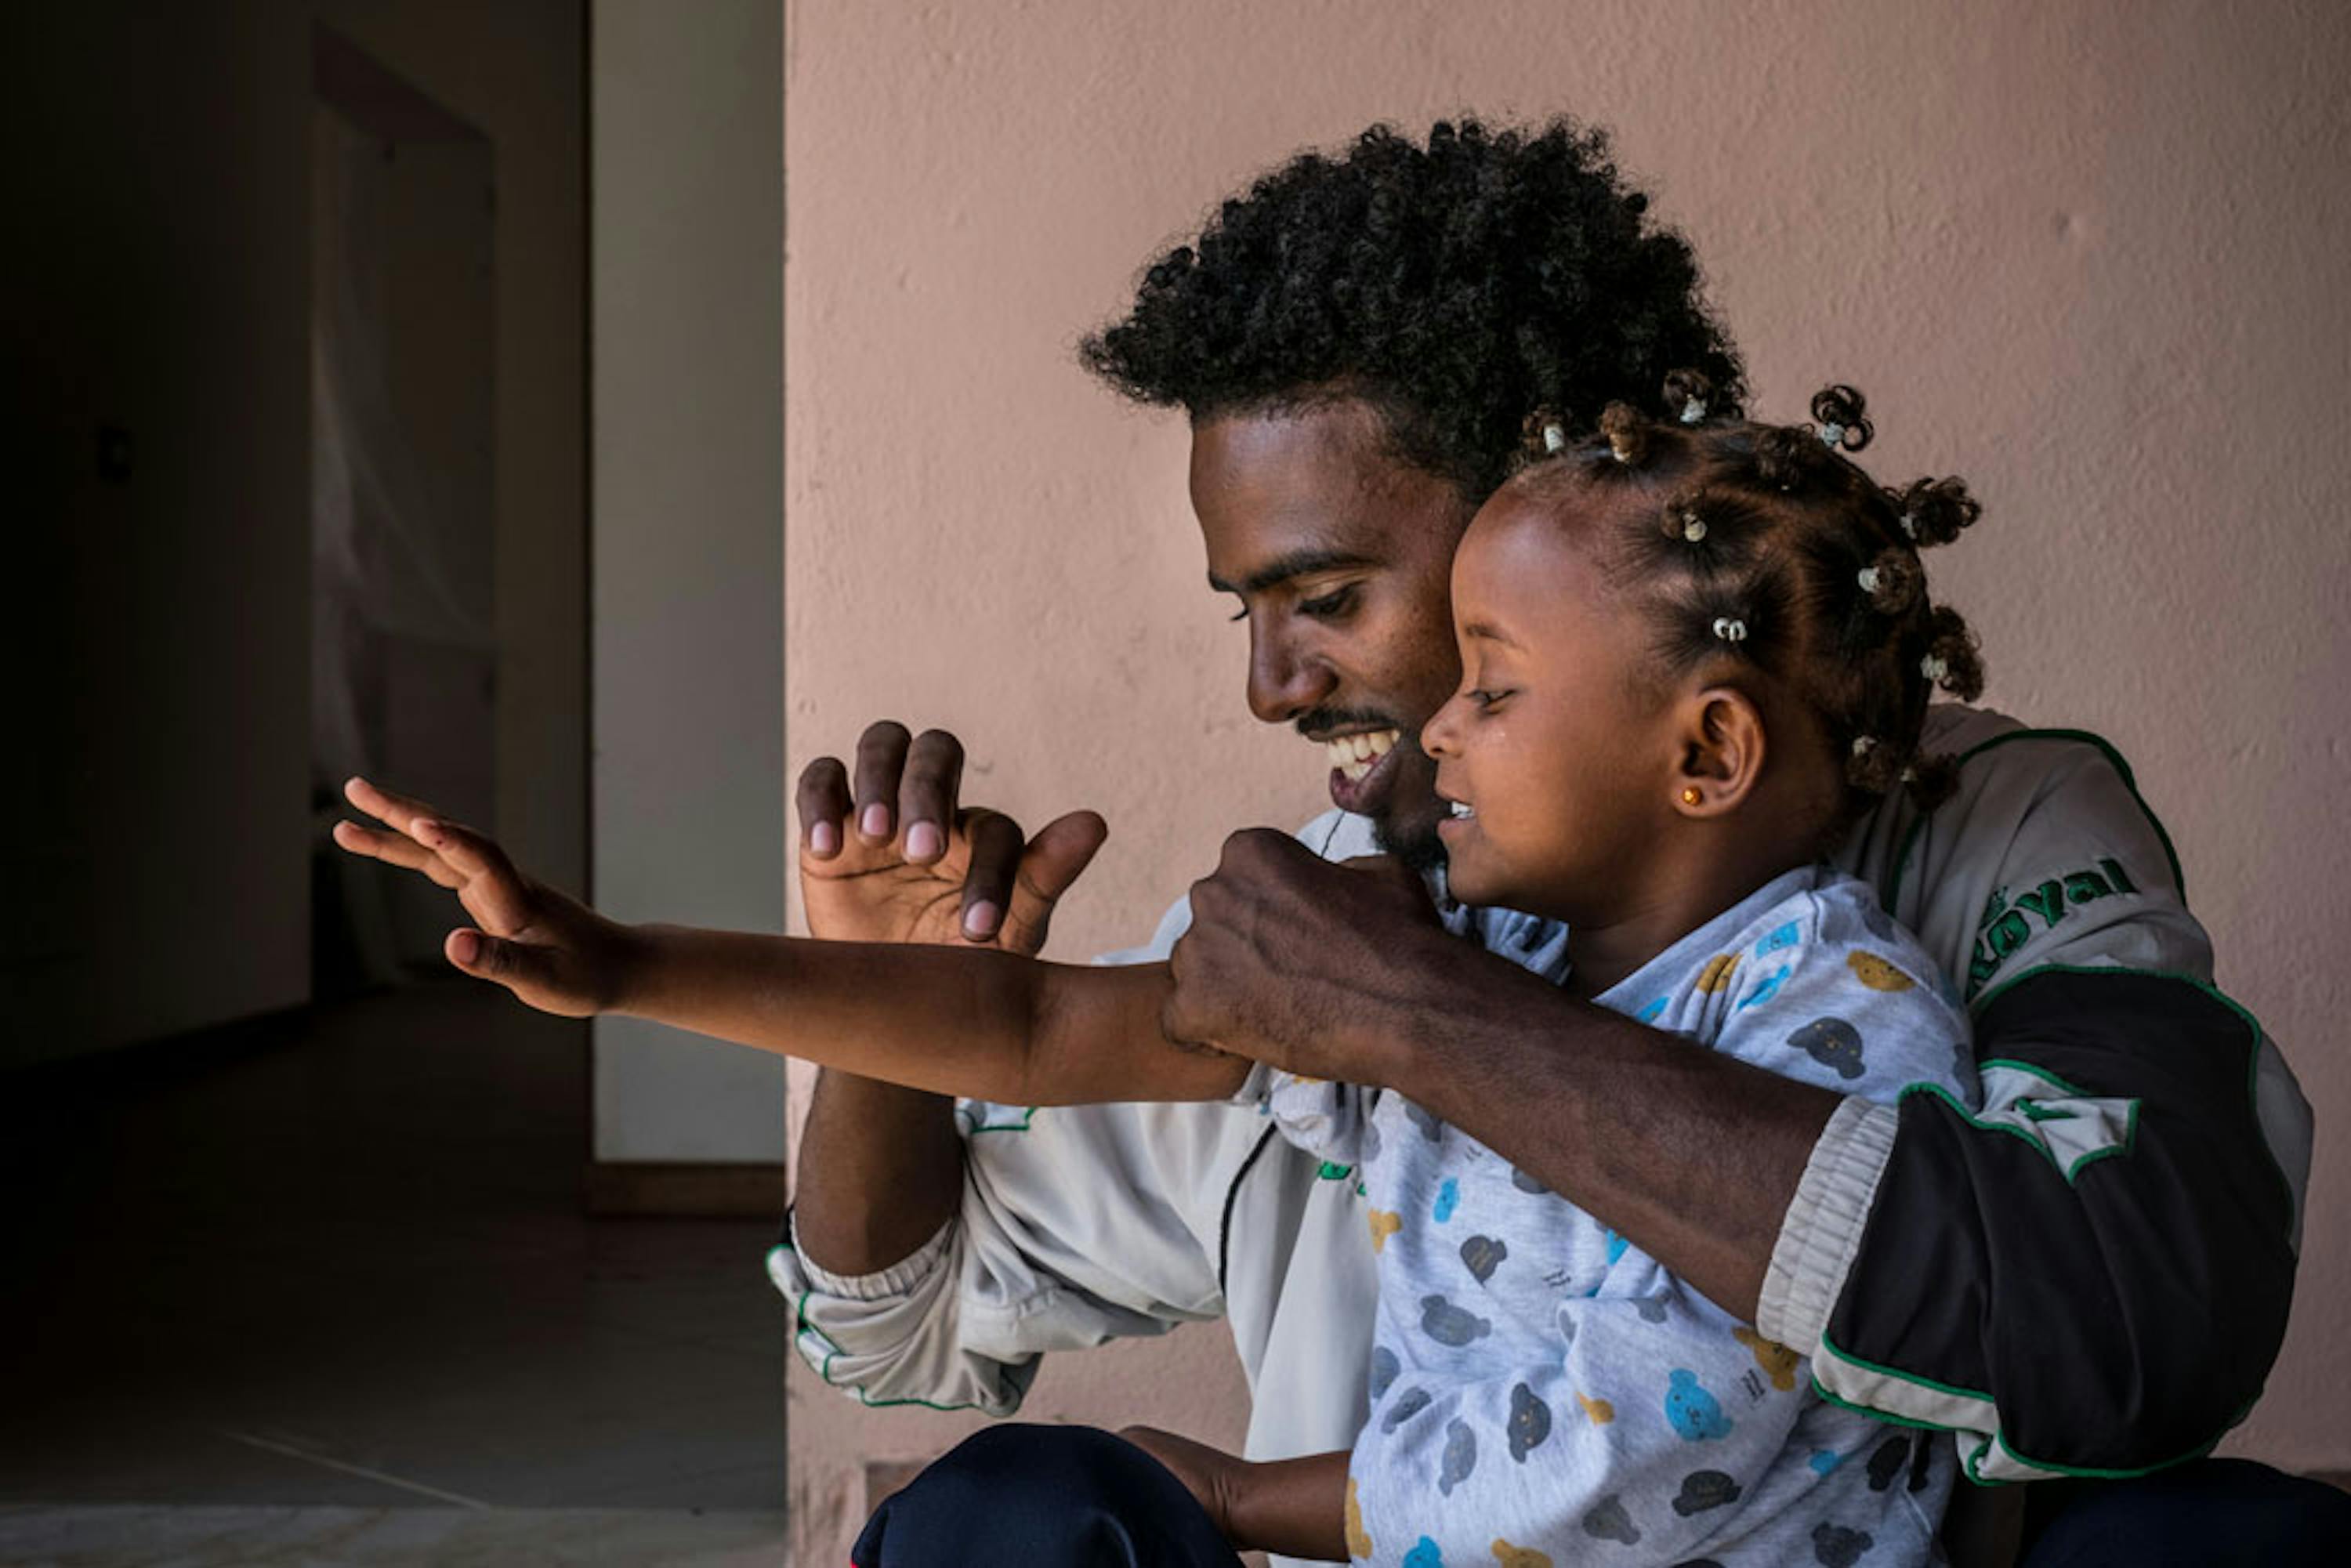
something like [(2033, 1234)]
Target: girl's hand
[(552, 952), (1212, 1476), (1296, 1507)]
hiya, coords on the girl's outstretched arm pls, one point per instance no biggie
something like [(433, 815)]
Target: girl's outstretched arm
[(993, 1025), (988, 1025)]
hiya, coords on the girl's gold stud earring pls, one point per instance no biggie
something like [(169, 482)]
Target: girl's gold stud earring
[(1691, 797)]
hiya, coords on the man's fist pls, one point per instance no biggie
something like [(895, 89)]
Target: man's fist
[(1289, 955)]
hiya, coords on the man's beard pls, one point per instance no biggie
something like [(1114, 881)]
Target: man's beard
[(1406, 826)]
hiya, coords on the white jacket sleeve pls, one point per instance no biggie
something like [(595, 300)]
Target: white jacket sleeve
[(1077, 1225)]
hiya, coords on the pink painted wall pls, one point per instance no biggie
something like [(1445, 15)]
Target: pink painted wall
[(2091, 257)]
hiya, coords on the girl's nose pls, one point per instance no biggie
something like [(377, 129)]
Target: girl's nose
[(1436, 736)]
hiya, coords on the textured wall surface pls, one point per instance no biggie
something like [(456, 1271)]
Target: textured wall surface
[(2090, 256)]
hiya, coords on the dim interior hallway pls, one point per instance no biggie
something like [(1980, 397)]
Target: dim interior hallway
[(325, 1277)]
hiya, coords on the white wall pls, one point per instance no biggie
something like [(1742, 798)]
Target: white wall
[(688, 708)]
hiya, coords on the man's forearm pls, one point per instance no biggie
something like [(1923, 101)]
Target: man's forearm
[(880, 1170), (1693, 1155)]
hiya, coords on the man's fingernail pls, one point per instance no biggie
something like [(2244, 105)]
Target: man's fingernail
[(824, 839), (981, 919), (923, 842), (874, 821)]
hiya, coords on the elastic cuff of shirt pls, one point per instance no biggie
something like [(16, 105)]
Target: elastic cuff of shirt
[(1822, 1230), (898, 1280)]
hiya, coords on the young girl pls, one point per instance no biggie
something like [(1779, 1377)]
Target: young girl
[(1691, 655)]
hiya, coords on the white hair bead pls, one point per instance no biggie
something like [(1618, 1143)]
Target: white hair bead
[(1863, 744), (1935, 668), (1909, 525), (1554, 438), (1693, 527), (1729, 629), (1868, 579), (1693, 411), (1832, 434)]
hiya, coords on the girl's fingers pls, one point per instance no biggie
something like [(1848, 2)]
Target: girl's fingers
[(398, 812), (456, 857), (395, 849), (527, 972), (493, 889), (484, 956)]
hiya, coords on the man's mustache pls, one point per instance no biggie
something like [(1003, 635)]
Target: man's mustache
[(1323, 721)]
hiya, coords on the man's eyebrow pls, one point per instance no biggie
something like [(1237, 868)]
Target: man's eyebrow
[(1489, 634), (1298, 563)]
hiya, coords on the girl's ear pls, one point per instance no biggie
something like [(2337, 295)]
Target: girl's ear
[(1720, 736)]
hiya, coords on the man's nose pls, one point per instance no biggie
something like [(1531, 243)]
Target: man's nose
[(1284, 679)]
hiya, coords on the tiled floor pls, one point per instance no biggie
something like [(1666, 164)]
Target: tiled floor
[(127, 1536), (345, 1271)]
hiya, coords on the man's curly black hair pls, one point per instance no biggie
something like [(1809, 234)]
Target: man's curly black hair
[(1456, 288)]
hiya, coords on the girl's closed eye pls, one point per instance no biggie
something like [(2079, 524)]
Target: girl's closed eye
[(1486, 697)]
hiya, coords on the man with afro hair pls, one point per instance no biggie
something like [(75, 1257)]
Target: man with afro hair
[(1357, 341)]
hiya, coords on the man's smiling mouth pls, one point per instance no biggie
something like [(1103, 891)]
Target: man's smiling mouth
[(1355, 756)]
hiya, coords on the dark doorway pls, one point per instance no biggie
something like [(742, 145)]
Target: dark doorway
[(403, 489)]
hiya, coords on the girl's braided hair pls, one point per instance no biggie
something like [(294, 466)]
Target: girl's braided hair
[(1768, 544)]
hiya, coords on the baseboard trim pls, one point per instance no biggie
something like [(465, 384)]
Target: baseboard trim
[(648, 1188)]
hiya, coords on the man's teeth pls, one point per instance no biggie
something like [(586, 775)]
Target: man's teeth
[(1462, 808), (1356, 754)]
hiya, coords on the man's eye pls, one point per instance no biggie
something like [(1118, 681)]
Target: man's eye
[(1335, 603)]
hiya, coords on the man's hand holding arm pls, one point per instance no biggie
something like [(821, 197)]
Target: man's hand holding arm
[(1341, 972), (2106, 1306)]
